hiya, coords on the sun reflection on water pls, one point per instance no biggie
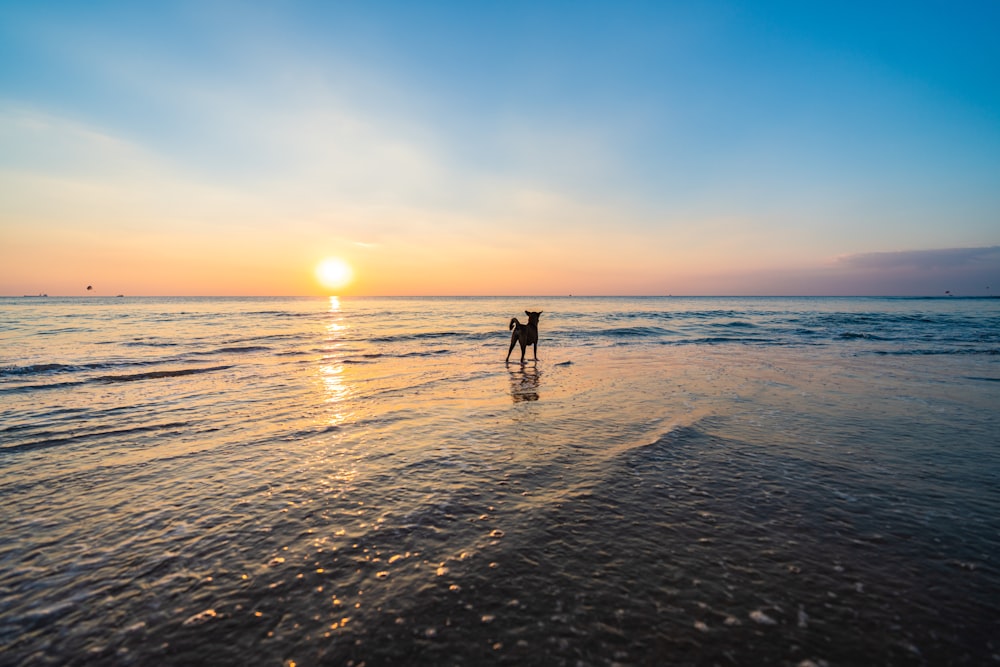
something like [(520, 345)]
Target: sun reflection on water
[(331, 369)]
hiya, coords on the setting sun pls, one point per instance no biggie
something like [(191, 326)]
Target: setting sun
[(334, 273)]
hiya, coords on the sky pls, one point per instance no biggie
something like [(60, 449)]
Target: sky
[(500, 148)]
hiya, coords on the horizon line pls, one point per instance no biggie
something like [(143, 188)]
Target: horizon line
[(946, 295)]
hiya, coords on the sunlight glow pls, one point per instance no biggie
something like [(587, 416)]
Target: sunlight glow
[(331, 370), (334, 273)]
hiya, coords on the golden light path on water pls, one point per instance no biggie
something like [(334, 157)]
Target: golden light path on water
[(331, 370)]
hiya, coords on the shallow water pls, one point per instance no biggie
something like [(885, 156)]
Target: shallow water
[(674, 481)]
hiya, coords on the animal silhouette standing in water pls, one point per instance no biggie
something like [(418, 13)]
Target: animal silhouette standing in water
[(524, 334)]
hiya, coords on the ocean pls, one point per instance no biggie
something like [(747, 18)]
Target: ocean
[(365, 481)]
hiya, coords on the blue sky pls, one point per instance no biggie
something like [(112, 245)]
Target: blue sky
[(643, 148)]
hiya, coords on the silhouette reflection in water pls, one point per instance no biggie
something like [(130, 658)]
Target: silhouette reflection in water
[(524, 382)]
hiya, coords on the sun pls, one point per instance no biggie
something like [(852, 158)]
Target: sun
[(334, 273)]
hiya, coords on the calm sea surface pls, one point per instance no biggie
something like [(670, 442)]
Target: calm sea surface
[(724, 481)]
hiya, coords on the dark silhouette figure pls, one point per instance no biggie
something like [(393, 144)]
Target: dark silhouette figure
[(525, 334)]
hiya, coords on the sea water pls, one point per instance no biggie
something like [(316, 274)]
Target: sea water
[(355, 481)]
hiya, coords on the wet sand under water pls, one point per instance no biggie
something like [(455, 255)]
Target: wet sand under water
[(606, 506)]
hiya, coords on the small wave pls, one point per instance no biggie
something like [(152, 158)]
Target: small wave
[(270, 337), (152, 375), (613, 332), (735, 324), (239, 349), (644, 315), (36, 387), (429, 353), (283, 313), (635, 331), (55, 368), (35, 369), (151, 343), (853, 335), (718, 340), (58, 440), (938, 351), (62, 331), (417, 336), (667, 446), (373, 358)]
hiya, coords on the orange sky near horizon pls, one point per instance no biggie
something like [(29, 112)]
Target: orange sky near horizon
[(285, 265), (532, 261)]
